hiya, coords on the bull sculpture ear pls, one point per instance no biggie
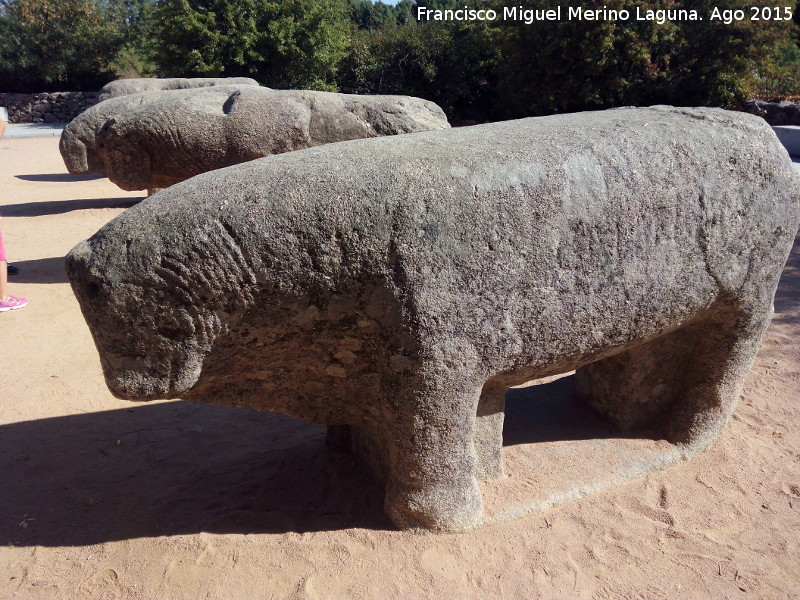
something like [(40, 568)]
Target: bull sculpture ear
[(103, 137), (227, 108)]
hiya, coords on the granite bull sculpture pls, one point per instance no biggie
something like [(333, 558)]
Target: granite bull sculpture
[(78, 143), (395, 288), (156, 139)]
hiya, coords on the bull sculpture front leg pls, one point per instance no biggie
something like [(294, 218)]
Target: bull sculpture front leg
[(424, 448), (431, 456)]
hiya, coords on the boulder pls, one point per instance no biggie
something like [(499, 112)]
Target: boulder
[(156, 139), (395, 288), (123, 87)]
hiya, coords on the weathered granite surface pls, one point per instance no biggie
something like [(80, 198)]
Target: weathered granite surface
[(395, 288), (122, 87), (156, 139)]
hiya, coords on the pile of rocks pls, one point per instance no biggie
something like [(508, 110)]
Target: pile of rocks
[(52, 107)]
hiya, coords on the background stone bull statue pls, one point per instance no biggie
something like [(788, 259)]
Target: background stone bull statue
[(122, 87), (78, 143), (157, 139), (395, 288)]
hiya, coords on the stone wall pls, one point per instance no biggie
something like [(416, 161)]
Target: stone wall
[(53, 107)]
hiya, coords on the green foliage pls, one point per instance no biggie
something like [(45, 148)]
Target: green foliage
[(474, 70), (56, 44), (305, 41), (292, 43), (366, 14), (577, 65), (573, 65), (449, 63), (207, 38), (136, 20), (132, 62), (779, 77), (716, 62), (504, 69)]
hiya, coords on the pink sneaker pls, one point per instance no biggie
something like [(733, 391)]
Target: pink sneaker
[(12, 303)]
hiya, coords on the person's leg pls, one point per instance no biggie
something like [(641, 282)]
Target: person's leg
[(3, 281), (3, 270), (7, 301)]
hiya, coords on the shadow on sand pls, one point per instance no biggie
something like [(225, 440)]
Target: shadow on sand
[(552, 412), (40, 270), (59, 207), (58, 177), (173, 468)]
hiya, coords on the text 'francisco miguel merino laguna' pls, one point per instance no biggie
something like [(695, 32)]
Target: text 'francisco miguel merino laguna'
[(578, 13)]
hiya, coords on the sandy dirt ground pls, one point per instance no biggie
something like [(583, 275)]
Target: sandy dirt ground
[(101, 498)]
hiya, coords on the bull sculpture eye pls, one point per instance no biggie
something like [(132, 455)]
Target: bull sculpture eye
[(92, 290)]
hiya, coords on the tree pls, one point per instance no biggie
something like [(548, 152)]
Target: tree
[(304, 42), (570, 65), (136, 21), (573, 65), (56, 44), (718, 64), (450, 63), (287, 43), (366, 14)]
